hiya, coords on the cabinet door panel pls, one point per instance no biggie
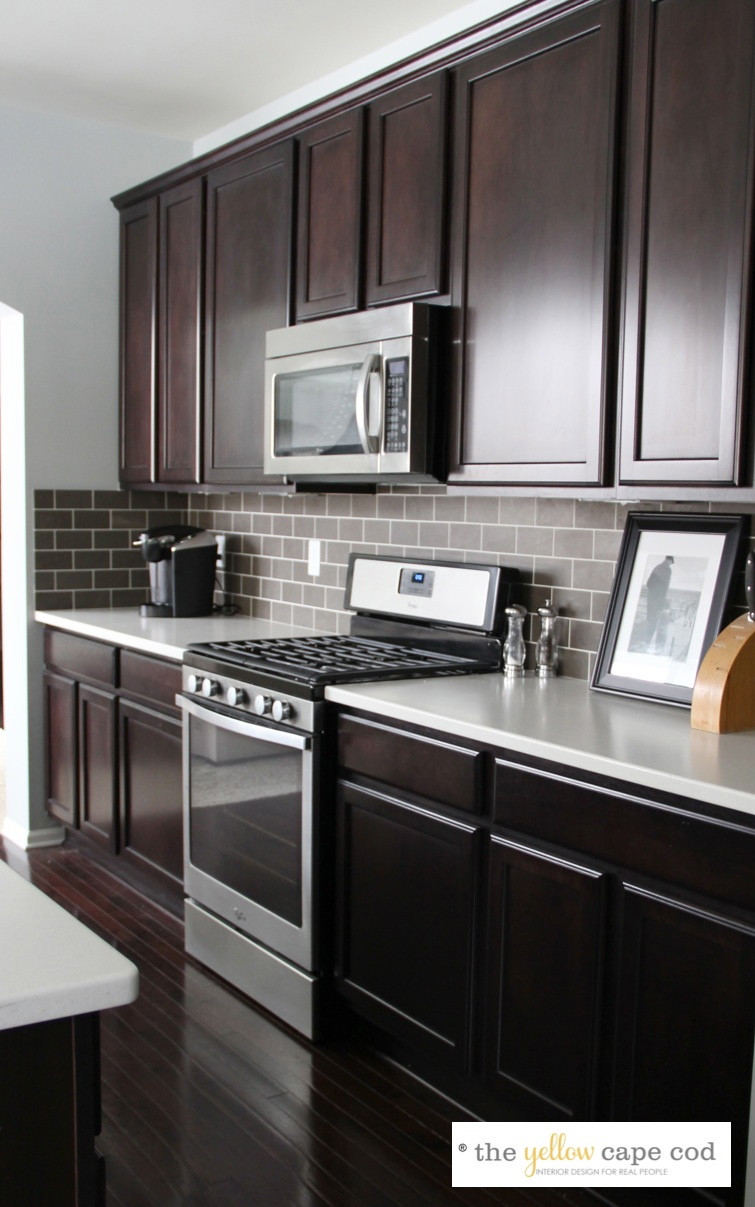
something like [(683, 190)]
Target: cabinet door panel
[(138, 341), (330, 217), (689, 218), (97, 799), (180, 328), (61, 750), (534, 202), (686, 1017), (406, 192), (546, 973), (406, 920), (150, 790), (249, 215)]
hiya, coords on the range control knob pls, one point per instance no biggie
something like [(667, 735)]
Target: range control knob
[(261, 705), (193, 683), (210, 687), (235, 696), (281, 710)]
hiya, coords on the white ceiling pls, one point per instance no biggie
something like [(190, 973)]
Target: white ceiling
[(185, 68)]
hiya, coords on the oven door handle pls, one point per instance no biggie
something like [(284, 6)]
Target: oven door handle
[(247, 728)]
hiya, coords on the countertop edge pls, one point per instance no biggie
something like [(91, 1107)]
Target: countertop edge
[(54, 966), (642, 774)]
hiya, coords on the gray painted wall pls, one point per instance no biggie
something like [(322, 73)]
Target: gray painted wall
[(59, 269)]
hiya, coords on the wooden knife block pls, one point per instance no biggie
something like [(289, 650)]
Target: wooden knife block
[(723, 698)]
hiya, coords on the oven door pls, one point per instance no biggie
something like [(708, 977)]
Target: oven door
[(249, 827)]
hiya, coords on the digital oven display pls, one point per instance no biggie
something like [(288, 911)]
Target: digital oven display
[(416, 582)]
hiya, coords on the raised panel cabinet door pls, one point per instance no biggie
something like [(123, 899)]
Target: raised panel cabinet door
[(686, 1020), (533, 205), (406, 920), (61, 757), (406, 191), (688, 270), (545, 982), (179, 309), (138, 341), (330, 217), (97, 766), (249, 248), (150, 790)]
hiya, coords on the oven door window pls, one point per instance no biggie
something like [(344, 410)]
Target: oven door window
[(245, 816)]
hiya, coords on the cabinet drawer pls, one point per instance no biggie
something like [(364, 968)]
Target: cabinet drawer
[(81, 657), (655, 838), (450, 775), (150, 678)]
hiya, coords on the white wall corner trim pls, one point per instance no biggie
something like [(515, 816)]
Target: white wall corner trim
[(26, 822)]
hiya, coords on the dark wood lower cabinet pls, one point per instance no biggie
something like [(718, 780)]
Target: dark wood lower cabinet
[(61, 754), (50, 1114), (545, 960), (97, 755), (685, 1019), (150, 791), (599, 989), (405, 944), (113, 757)]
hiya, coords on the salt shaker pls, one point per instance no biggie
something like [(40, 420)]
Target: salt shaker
[(546, 654), (514, 649)]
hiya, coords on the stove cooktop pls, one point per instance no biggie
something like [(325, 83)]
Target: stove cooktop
[(333, 658)]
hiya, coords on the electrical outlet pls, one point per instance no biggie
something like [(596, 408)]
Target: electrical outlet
[(313, 558)]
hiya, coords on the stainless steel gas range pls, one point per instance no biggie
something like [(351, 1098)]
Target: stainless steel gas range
[(254, 722)]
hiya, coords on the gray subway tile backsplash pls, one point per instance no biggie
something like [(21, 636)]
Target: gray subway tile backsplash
[(565, 549)]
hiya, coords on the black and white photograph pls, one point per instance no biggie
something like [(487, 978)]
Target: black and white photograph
[(671, 586)]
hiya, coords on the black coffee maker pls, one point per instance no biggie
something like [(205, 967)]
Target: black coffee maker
[(182, 567)]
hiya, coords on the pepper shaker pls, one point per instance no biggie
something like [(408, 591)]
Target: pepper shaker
[(514, 649), (546, 654)]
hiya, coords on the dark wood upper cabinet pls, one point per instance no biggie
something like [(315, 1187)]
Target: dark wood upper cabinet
[(533, 217), (249, 244), (161, 275), (406, 192), (138, 341), (179, 333), (688, 254), (330, 217)]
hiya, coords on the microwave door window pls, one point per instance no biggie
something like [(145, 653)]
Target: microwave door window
[(315, 412)]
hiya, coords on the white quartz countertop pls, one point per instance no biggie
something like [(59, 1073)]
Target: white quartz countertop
[(562, 720), (164, 637), (52, 965)]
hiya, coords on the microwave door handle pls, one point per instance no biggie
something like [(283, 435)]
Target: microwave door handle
[(371, 365), (375, 404)]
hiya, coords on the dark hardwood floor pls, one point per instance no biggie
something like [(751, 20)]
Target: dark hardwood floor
[(209, 1102)]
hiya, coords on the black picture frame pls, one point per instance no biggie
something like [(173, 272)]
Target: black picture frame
[(658, 629)]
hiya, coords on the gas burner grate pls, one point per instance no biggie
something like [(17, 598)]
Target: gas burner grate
[(333, 657)]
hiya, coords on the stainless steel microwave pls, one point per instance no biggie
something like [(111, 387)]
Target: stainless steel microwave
[(355, 397)]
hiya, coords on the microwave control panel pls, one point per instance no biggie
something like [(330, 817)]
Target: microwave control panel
[(397, 404)]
